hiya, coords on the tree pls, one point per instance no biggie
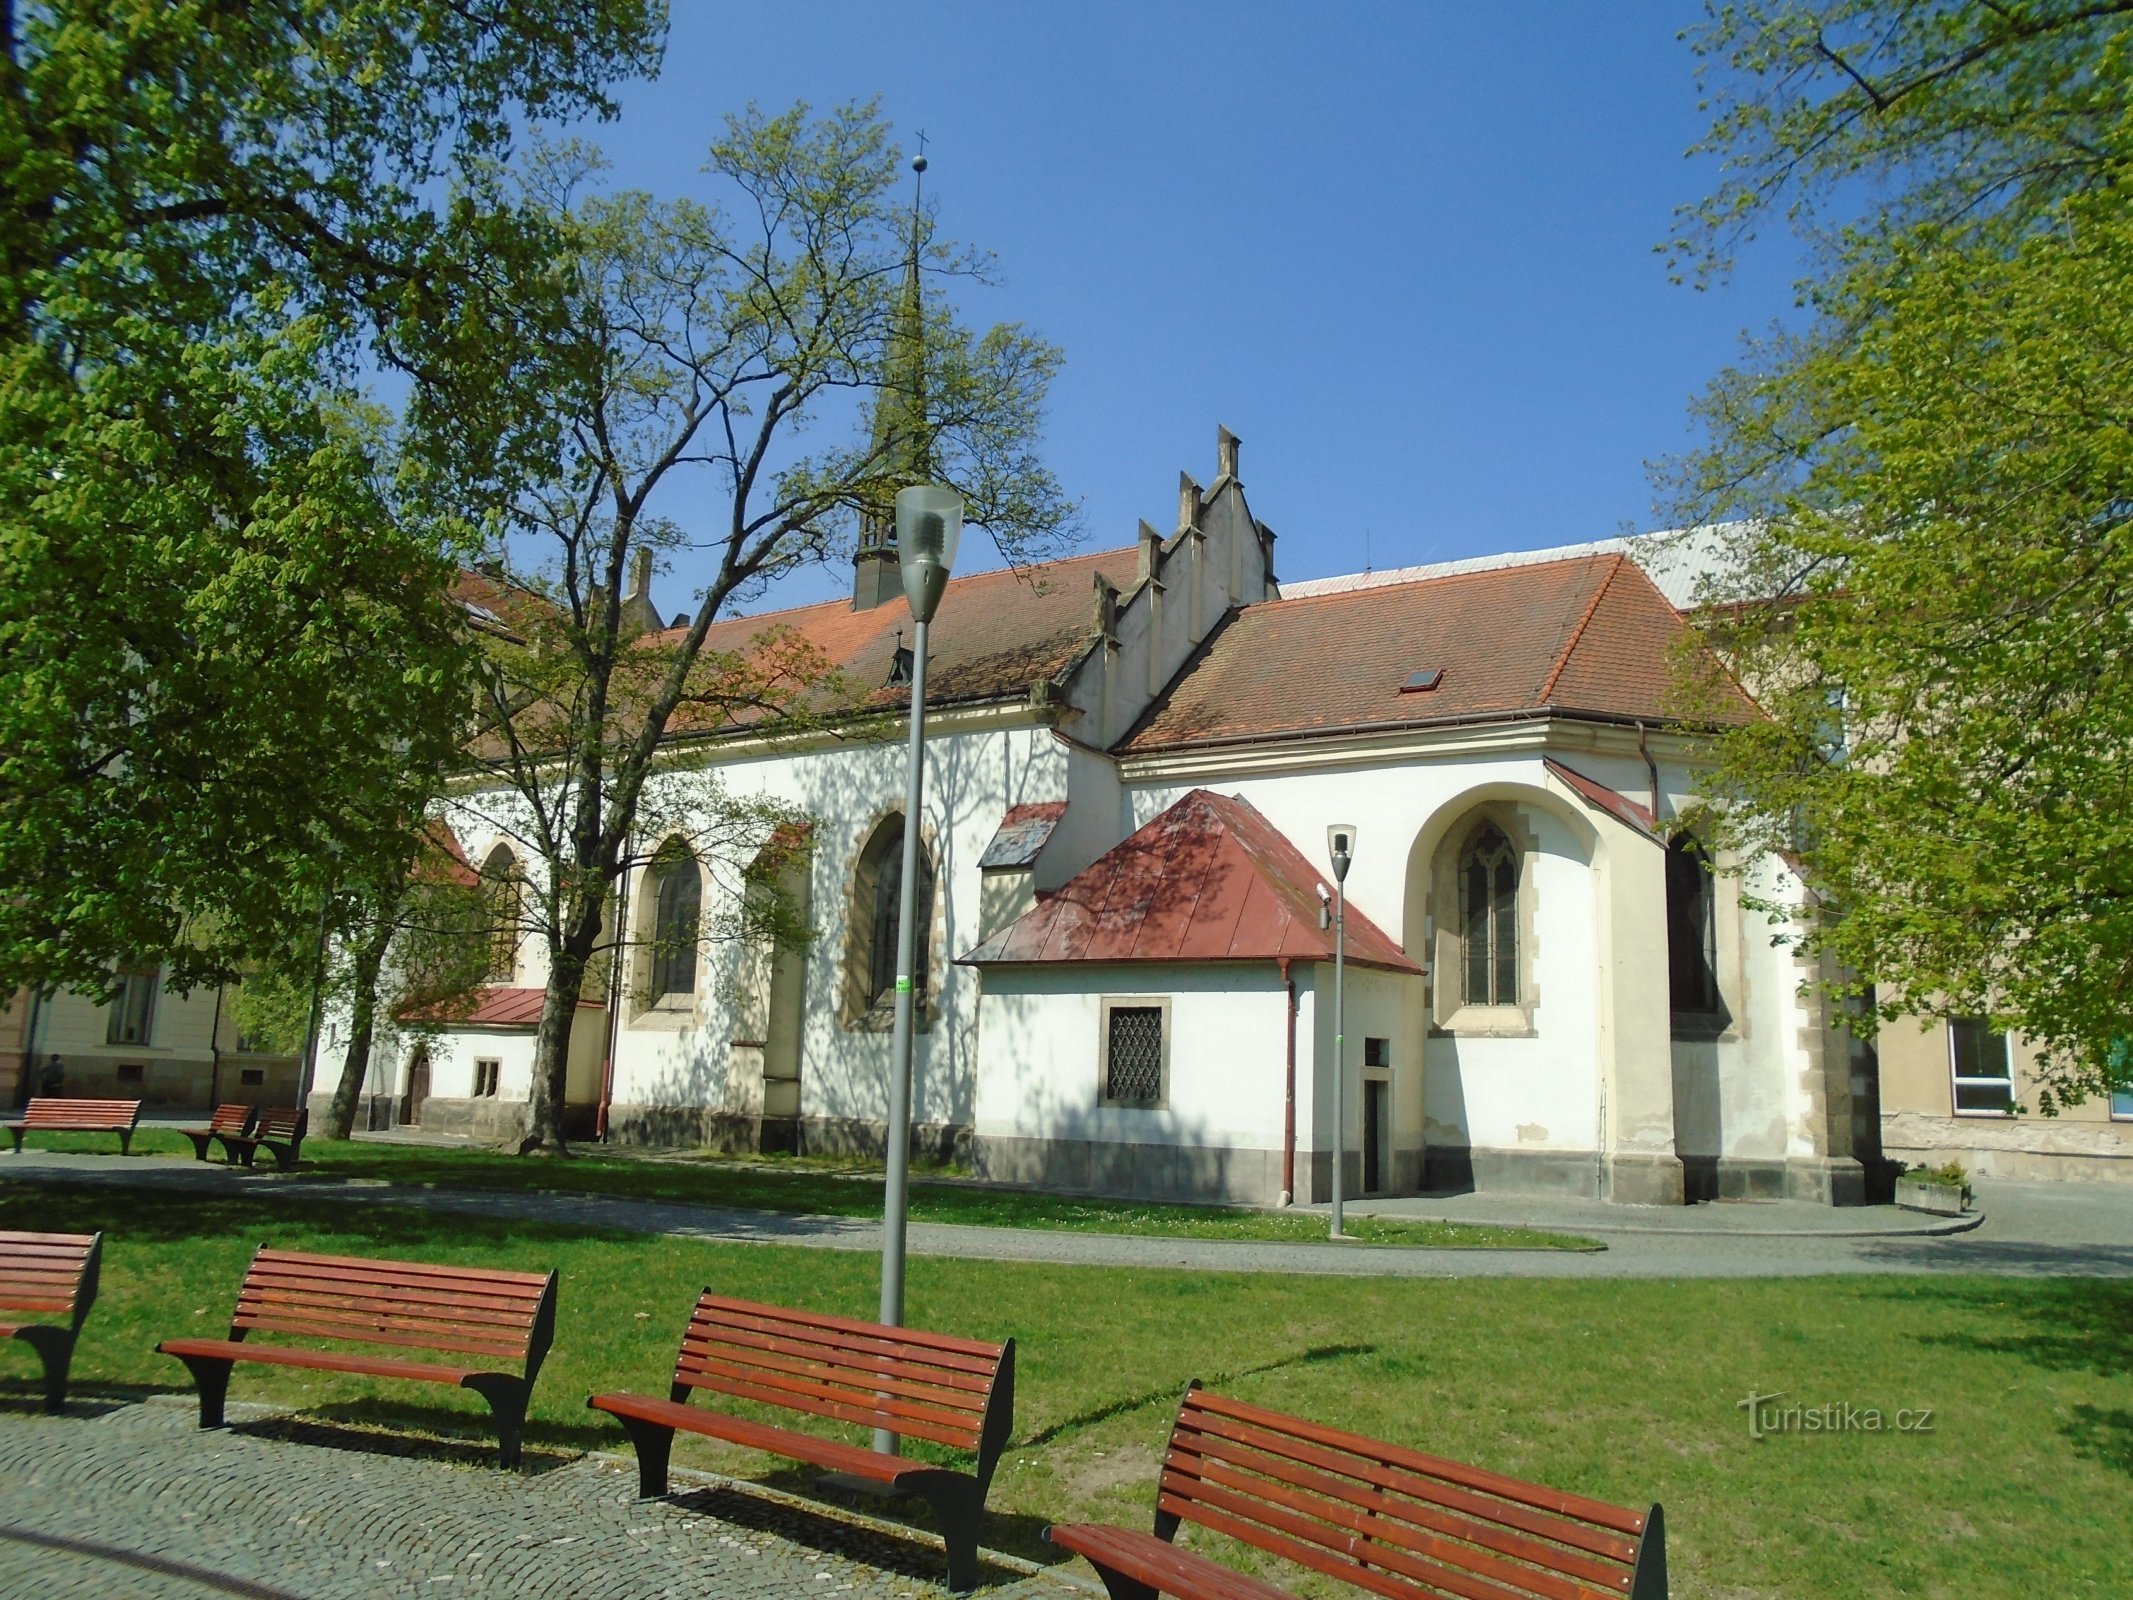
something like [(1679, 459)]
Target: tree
[(224, 639), (1930, 572), (694, 346)]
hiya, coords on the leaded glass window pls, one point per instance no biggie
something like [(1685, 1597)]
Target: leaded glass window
[(676, 908), (1488, 892)]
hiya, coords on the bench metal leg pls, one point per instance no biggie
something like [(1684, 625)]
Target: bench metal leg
[(199, 1143), (55, 1348), (211, 1376), (507, 1396), (17, 1134), (126, 1142), (655, 1445), (1120, 1587), (959, 1508)]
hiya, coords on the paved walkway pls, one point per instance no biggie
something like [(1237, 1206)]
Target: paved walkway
[(2025, 1229), (121, 1501)]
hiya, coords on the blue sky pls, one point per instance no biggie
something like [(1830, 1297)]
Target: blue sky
[(1405, 251)]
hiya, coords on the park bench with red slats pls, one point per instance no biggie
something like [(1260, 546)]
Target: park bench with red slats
[(1389, 1520), (410, 1305), (279, 1130), (227, 1119), (49, 1277), (956, 1392), (46, 1115)]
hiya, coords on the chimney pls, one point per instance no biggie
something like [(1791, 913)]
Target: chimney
[(1151, 551), (1225, 453), (1107, 608), (639, 615), (1188, 503)]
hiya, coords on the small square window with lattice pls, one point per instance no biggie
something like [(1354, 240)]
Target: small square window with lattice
[(1133, 1055)]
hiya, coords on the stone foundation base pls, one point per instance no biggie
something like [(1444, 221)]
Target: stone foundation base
[(2056, 1149)]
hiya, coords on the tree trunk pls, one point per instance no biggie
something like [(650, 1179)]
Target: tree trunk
[(567, 960), (362, 1024)]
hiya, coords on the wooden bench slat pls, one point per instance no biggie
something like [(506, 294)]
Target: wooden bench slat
[(1385, 1542), (1619, 1518), (321, 1360), (1158, 1561), (530, 1285), (508, 1340), (362, 1333), (963, 1375), (1385, 1516), (893, 1377), (77, 1243), (888, 1415), (350, 1295), (47, 1287), (774, 1333), (920, 1338), (833, 1455), (1516, 1514)]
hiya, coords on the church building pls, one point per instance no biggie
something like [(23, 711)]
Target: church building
[(1133, 758)]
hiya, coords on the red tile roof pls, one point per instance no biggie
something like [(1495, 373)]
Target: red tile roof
[(1590, 635), (1208, 880), (505, 1008), (1638, 817), (996, 633)]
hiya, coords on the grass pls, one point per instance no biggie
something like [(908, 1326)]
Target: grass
[(821, 1188), (1628, 1390)]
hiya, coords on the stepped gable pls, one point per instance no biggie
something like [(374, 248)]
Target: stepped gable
[(1208, 880), (1590, 635)]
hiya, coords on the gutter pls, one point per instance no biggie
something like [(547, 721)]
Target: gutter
[(614, 1000), (1401, 725), (1288, 1099)]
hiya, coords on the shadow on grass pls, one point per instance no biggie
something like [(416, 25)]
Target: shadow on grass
[(1171, 1394), (2104, 1435), (2074, 1325)]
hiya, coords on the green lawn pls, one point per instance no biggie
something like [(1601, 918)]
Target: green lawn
[(818, 1188), (1625, 1390)]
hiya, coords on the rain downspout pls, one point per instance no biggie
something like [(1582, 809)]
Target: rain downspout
[(1651, 768), (1288, 1101), (214, 1053)]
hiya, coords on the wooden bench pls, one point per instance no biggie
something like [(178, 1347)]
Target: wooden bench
[(45, 1115), (227, 1119), (279, 1131), (957, 1392), (1389, 1520), (401, 1304), (52, 1276)]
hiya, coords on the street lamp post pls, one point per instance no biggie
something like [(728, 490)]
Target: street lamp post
[(1340, 845), (929, 524)]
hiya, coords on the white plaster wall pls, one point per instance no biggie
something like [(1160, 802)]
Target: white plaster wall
[(1043, 1055), (1375, 1005)]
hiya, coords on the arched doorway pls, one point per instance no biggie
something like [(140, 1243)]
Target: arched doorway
[(418, 1086)]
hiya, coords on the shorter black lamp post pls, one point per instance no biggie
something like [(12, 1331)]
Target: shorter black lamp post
[(1340, 845)]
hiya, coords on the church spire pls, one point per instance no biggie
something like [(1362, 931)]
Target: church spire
[(902, 441)]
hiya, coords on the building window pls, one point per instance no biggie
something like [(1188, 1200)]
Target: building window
[(487, 1069), (1136, 1045), (1488, 898), (505, 886), (1983, 1068), (677, 922), (2122, 1103), (133, 1009), (877, 916), (1691, 930), (131, 1074), (1377, 1052), (252, 1077)]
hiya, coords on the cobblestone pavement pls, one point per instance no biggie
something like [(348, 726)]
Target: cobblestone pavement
[(2024, 1229), (131, 1501)]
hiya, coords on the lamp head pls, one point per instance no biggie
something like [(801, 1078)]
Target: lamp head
[(1340, 848), (929, 526)]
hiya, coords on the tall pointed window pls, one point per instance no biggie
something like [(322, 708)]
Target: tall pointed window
[(677, 907), (1691, 930), (133, 1008), (1488, 899), (505, 887), (876, 917)]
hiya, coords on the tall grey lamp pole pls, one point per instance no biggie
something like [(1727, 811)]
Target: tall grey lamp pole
[(1340, 845), (929, 524)]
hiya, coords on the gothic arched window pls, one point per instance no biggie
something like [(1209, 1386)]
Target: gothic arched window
[(876, 914), (505, 888), (1691, 930), (1488, 900), (677, 907)]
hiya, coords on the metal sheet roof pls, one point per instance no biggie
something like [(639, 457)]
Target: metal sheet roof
[(1208, 880), (1024, 832)]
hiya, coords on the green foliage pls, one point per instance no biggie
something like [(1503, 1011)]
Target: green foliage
[(223, 643), (1928, 592)]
